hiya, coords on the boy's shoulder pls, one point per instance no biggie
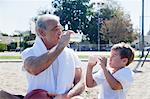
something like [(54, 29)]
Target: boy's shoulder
[(126, 72)]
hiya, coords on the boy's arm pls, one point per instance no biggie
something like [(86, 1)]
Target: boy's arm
[(114, 84), (90, 82), (92, 61)]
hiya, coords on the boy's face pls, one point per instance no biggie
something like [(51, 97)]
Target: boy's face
[(115, 60)]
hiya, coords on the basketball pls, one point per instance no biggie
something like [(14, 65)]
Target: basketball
[(37, 94)]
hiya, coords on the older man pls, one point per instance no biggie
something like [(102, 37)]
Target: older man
[(49, 64)]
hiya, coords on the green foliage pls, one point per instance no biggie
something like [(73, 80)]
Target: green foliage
[(73, 12), (77, 14), (29, 37), (3, 47), (80, 15), (15, 35), (26, 40), (118, 28), (12, 46), (4, 34)]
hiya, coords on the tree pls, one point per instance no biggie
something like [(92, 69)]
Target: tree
[(97, 18), (119, 28), (28, 39), (4, 34), (44, 11), (80, 15), (3, 47), (73, 12)]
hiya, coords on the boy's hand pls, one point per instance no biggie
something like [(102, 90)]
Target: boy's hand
[(103, 62), (92, 61)]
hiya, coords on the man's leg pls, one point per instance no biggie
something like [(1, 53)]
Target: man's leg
[(77, 97), (6, 95)]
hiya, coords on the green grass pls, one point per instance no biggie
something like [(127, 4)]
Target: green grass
[(80, 56), (10, 57), (86, 56)]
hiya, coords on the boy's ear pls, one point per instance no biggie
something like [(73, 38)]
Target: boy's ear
[(125, 60)]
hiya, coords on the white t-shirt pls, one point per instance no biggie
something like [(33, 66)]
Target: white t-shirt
[(47, 79), (124, 76)]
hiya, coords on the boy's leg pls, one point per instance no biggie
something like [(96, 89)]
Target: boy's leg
[(6, 95)]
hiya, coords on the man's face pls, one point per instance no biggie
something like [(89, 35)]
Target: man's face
[(54, 32)]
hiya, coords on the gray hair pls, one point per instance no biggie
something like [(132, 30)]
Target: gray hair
[(41, 20)]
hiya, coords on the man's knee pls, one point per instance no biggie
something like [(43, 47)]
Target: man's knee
[(6, 95), (77, 97), (3, 94)]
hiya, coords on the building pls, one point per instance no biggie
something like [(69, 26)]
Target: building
[(8, 39), (137, 43)]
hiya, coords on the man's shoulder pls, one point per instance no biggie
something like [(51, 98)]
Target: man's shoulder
[(69, 50), (26, 53), (27, 50)]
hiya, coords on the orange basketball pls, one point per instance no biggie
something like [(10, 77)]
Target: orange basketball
[(37, 94)]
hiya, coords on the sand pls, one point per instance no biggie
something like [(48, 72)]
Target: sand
[(14, 81)]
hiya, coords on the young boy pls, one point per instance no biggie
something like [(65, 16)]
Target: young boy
[(116, 78)]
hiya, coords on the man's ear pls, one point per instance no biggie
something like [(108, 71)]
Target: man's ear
[(125, 60), (42, 32)]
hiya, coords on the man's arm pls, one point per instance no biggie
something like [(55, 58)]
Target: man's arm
[(78, 82), (36, 65)]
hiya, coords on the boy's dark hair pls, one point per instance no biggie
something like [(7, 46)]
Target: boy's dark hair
[(125, 50)]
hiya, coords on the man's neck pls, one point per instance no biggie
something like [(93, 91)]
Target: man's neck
[(47, 44)]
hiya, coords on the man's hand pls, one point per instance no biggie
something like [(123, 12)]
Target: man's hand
[(52, 95), (65, 38)]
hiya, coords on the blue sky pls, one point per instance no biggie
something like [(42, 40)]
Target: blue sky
[(16, 14)]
